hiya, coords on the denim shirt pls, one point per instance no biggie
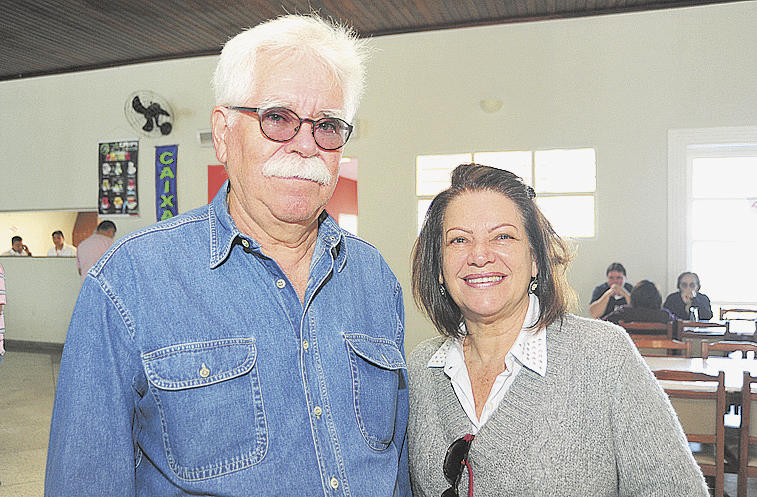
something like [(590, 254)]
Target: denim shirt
[(191, 367)]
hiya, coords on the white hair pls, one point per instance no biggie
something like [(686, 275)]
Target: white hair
[(306, 37)]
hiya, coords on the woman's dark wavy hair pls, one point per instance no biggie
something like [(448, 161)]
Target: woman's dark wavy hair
[(645, 294), (551, 253)]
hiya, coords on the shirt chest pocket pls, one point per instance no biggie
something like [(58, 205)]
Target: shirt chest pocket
[(377, 369), (211, 410)]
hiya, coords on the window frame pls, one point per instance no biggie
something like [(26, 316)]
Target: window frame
[(684, 145)]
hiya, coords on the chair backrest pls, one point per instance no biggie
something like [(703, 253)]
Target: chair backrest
[(699, 401), (661, 346), (728, 346), (645, 328), (748, 430), (737, 313)]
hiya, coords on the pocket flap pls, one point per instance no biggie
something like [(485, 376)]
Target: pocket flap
[(196, 364), (379, 351)]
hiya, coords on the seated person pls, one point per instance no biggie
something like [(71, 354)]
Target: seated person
[(687, 298), (610, 295), (646, 305), (18, 249), (60, 247)]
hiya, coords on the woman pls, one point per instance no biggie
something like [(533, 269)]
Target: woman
[(612, 294), (687, 298), (645, 306), (529, 400)]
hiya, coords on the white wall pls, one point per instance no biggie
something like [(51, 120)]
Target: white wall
[(616, 83)]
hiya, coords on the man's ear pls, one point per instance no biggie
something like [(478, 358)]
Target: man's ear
[(219, 122)]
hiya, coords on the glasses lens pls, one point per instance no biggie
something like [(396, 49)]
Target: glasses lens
[(450, 492), (279, 124), (453, 461), (331, 133)]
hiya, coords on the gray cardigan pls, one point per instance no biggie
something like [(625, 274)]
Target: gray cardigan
[(596, 425)]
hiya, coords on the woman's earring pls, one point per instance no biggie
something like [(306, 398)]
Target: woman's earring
[(442, 290), (533, 285)]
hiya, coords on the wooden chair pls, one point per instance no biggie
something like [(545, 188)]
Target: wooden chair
[(643, 328), (728, 346), (748, 434), (736, 313), (699, 402), (661, 346)]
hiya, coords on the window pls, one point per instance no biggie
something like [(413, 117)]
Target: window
[(723, 229), (713, 216), (564, 180)]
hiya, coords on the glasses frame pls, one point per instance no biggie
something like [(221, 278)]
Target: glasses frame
[(454, 461), (261, 110)]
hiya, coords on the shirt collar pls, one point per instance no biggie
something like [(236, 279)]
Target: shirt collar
[(530, 348), (224, 233)]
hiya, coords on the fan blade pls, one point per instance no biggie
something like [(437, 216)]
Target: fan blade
[(136, 104)]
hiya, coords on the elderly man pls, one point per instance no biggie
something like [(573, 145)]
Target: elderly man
[(18, 249), (60, 248), (249, 347)]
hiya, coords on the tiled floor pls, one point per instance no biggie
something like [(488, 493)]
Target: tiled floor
[(27, 390)]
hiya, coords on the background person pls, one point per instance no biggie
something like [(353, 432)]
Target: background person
[(645, 306), (60, 248), (91, 249), (687, 297), (18, 249), (612, 294), (250, 346), (517, 382)]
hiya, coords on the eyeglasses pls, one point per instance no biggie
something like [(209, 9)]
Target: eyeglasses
[(690, 285), (280, 124), (454, 462)]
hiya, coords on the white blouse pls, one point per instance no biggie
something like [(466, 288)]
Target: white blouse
[(529, 350)]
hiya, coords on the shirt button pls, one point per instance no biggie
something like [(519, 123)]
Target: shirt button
[(280, 283), (305, 344), (245, 243), (204, 371), (333, 238), (334, 483), (317, 411)]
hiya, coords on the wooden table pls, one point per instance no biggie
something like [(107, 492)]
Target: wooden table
[(715, 332), (733, 368)]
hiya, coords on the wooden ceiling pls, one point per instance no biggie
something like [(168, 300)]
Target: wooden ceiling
[(39, 37)]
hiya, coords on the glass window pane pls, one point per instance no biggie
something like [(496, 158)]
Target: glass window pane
[(724, 177), (571, 216), (518, 163), (725, 220), (433, 172), (423, 205), (725, 270), (565, 170)]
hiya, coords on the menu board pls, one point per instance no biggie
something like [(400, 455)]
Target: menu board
[(117, 170)]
